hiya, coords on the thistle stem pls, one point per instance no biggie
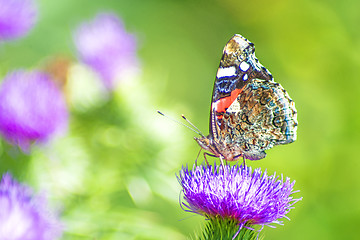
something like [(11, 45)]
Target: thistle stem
[(227, 229)]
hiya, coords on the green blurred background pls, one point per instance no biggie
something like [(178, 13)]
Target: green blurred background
[(113, 174)]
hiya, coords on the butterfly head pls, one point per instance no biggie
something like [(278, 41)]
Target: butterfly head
[(219, 149)]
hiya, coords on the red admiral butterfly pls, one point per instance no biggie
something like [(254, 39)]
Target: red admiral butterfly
[(250, 112)]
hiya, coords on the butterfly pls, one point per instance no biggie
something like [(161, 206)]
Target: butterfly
[(250, 112)]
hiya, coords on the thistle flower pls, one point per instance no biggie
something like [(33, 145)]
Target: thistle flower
[(238, 194), (17, 17), (105, 46), (31, 108), (24, 216)]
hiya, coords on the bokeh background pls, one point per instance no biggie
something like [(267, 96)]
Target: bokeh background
[(112, 175)]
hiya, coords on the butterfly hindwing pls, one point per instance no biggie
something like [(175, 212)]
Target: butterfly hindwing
[(263, 115)]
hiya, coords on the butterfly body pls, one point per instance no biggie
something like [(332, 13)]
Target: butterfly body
[(250, 112)]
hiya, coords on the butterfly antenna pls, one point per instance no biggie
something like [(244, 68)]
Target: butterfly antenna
[(192, 129), (187, 120)]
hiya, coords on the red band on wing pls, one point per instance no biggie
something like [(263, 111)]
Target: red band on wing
[(222, 104)]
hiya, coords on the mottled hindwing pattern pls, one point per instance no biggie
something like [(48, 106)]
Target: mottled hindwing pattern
[(262, 116)]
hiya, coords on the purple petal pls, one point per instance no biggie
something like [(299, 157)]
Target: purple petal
[(238, 193), (24, 216), (17, 17), (32, 108), (104, 45)]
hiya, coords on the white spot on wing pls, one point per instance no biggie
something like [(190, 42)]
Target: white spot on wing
[(226, 72), (245, 77), (234, 107), (244, 66)]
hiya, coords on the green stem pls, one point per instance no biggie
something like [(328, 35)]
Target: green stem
[(218, 228)]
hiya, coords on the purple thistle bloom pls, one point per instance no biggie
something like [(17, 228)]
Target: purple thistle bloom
[(32, 108), (104, 45), (17, 17), (24, 216), (239, 194)]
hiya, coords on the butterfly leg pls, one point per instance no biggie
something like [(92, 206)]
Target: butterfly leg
[(244, 164), (198, 157), (222, 163), (208, 154)]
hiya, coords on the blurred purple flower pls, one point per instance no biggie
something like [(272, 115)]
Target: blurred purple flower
[(32, 108), (104, 45), (24, 216), (239, 194), (17, 17)]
